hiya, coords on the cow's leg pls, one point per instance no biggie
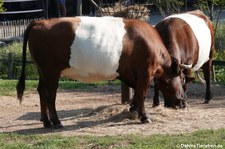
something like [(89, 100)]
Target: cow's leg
[(206, 71), (133, 109), (133, 106), (52, 89), (43, 103), (140, 94), (50, 85), (187, 73), (156, 94)]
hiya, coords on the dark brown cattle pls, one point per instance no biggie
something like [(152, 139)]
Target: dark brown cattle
[(189, 38), (92, 49)]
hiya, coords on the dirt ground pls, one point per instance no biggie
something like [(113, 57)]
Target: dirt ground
[(98, 111)]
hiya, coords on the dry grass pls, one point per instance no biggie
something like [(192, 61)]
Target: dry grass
[(137, 11)]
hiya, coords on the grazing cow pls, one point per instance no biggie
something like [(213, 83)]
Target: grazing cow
[(189, 38), (92, 49)]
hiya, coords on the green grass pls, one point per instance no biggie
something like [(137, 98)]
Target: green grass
[(8, 87), (202, 137)]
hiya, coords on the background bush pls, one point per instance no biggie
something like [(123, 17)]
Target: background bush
[(2, 9), (16, 50), (219, 53), (220, 38)]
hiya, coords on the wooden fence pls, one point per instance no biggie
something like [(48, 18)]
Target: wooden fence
[(14, 28)]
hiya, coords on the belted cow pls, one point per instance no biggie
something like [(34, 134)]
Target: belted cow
[(91, 49), (189, 38)]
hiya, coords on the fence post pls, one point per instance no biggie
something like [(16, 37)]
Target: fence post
[(79, 7), (10, 66), (213, 73), (46, 9)]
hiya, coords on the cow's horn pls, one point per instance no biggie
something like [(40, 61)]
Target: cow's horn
[(186, 66)]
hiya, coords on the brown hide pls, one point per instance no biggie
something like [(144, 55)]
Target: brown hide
[(50, 41), (136, 59), (143, 57), (179, 40)]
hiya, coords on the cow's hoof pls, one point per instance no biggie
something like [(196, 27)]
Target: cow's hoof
[(133, 115), (184, 105), (47, 124), (145, 120), (206, 101), (155, 105), (57, 126), (181, 105)]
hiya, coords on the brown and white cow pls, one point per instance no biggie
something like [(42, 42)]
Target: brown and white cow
[(189, 38), (92, 49)]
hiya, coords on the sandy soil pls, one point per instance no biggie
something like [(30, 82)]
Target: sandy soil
[(98, 111)]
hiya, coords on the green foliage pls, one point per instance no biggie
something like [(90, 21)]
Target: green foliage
[(220, 70), (2, 9), (16, 50), (202, 137), (208, 6), (167, 7), (220, 3), (220, 37), (219, 53)]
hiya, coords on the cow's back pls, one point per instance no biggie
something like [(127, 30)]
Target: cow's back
[(188, 37)]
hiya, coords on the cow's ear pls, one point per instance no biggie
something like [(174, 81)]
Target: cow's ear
[(175, 65)]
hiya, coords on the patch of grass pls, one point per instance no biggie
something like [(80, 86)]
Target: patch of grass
[(213, 138), (220, 70), (8, 87), (69, 84)]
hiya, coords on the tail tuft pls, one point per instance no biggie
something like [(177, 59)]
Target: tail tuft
[(20, 87)]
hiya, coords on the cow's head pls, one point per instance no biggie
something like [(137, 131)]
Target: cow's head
[(172, 82)]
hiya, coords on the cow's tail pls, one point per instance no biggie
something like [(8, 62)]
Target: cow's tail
[(21, 82), (197, 75)]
